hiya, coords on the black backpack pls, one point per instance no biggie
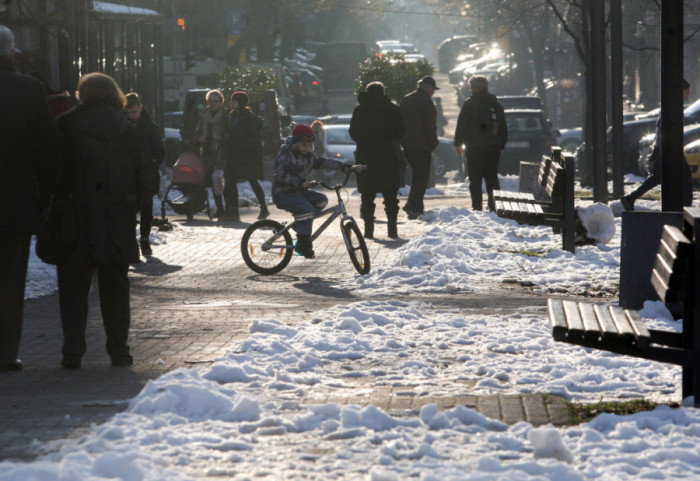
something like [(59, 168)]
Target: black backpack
[(488, 122)]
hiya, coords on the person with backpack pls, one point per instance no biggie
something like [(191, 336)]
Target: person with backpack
[(481, 134)]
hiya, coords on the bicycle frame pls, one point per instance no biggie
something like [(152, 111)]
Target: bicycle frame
[(334, 211), (267, 234)]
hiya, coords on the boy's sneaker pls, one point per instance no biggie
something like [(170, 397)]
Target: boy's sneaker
[(627, 203), (303, 247), (146, 246)]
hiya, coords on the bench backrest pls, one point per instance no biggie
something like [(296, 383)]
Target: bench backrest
[(669, 274), (555, 180), (545, 164)]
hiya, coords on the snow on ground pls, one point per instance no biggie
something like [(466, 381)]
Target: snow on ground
[(244, 417)]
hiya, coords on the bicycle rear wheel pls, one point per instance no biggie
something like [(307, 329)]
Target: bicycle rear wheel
[(357, 248), (275, 257)]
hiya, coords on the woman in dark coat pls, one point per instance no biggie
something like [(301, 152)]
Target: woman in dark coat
[(375, 123), (106, 171), (244, 155)]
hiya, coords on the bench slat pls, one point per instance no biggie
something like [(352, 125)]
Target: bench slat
[(557, 319), (627, 334), (590, 322), (573, 320), (670, 264), (608, 330), (640, 329)]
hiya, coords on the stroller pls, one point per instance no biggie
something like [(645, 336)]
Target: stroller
[(187, 193)]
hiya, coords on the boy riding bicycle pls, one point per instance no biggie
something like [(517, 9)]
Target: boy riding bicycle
[(291, 187)]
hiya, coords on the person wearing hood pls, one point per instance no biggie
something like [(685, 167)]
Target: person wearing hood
[(29, 146), (244, 154), (106, 166), (481, 134), (376, 123), (419, 140), (150, 132)]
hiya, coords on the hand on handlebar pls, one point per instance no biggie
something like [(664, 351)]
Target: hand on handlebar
[(359, 168), (309, 183)]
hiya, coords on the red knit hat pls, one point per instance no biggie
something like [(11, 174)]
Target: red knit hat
[(303, 133), (240, 97)]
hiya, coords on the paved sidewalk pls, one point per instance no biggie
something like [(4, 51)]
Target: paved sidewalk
[(191, 301)]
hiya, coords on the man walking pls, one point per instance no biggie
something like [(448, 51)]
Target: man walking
[(419, 140), (481, 127), (29, 144)]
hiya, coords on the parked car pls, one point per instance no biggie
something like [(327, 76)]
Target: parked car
[(570, 139), (520, 102), (530, 135), (632, 133), (692, 155), (691, 133), (338, 145), (172, 139)]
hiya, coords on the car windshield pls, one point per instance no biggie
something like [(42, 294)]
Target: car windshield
[(338, 137), (524, 122)]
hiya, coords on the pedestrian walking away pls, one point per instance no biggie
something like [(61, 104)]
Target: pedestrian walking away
[(212, 130), (30, 145), (108, 168), (376, 126), (244, 155), (654, 160), (419, 140), (150, 133), (482, 134), (291, 183)]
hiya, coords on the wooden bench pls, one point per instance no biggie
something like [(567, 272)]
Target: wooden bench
[(557, 212), (542, 174), (676, 280)]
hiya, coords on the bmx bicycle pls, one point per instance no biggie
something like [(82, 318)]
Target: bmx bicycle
[(267, 245)]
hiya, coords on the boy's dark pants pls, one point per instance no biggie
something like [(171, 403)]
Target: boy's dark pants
[(304, 205)]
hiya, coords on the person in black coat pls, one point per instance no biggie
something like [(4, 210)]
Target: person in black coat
[(29, 143), (376, 123), (244, 155), (150, 133), (108, 169), (482, 134)]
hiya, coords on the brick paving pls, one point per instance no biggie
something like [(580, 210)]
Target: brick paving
[(195, 298)]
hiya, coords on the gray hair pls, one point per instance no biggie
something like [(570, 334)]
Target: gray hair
[(478, 83), (7, 41)]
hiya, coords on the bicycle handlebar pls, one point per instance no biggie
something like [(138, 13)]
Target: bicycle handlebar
[(337, 186)]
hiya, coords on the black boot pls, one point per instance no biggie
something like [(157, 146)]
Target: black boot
[(369, 229), (264, 212), (391, 229), (218, 200), (304, 247), (146, 246)]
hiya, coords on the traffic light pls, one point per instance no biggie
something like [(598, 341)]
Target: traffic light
[(181, 23)]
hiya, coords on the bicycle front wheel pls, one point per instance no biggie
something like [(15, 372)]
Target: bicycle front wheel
[(357, 248), (266, 259)]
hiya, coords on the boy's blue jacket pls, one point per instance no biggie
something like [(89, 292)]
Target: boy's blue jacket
[(293, 169)]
